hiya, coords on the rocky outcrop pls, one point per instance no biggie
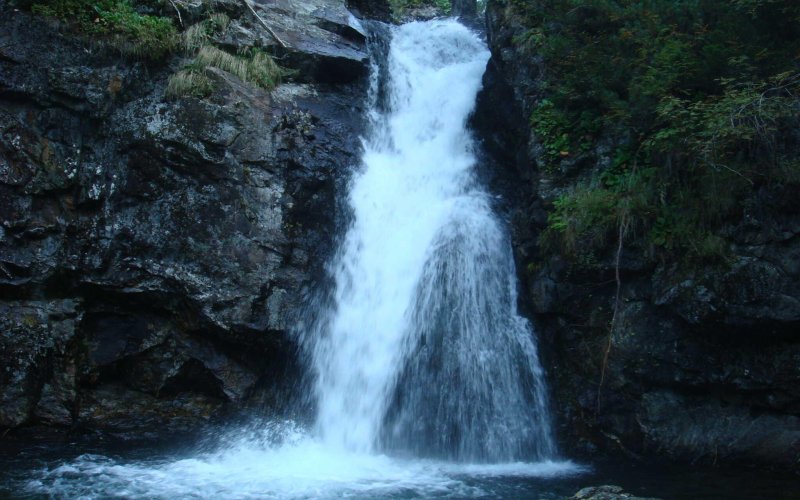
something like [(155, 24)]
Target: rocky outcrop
[(703, 364), (380, 10), (323, 41), (607, 492), (154, 253)]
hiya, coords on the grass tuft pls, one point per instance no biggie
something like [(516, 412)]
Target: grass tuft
[(189, 82), (254, 66), (219, 21), (198, 35), (195, 37)]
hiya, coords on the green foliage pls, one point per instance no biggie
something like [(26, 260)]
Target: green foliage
[(584, 218), (551, 128), (117, 23), (701, 97), (746, 119)]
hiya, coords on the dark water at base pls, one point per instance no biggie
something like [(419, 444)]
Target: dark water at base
[(94, 469)]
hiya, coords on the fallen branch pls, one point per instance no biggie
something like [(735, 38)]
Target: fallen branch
[(264, 24), (177, 11)]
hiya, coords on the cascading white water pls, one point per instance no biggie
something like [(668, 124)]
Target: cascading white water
[(423, 366), (424, 351)]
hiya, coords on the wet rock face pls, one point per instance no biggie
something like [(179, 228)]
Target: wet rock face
[(379, 10), (155, 254), (321, 39), (704, 361), (36, 336)]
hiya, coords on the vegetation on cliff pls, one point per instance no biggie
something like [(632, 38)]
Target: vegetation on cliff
[(154, 212), (251, 65), (116, 22), (680, 109), (120, 25)]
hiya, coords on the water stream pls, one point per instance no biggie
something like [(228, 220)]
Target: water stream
[(426, 379), (424, 350)]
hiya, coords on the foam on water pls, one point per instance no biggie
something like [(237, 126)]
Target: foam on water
[(303, 467)]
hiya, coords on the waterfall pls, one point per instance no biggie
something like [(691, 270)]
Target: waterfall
[(423, 351), (427, 382)]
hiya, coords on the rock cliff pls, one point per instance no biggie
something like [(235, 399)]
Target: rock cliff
[(703, 364), (154, 252)]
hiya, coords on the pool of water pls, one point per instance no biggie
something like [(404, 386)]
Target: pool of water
[(286, 463)]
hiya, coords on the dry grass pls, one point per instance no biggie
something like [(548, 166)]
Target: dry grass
[(212, 56), (195, 37), (219, 21), (252, 65), (199, 34), (255, 67), (189, 82), (263, 68)]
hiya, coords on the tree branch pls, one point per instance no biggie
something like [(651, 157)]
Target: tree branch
[(180, 19), (264, 24)]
